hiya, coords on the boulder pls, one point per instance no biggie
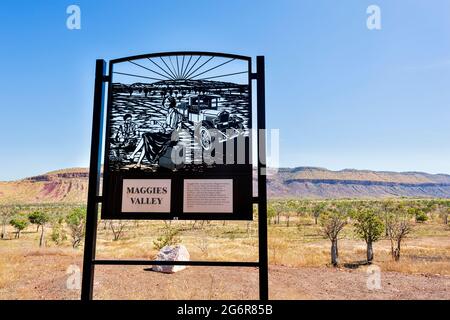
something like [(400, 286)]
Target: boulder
[(171, 253)]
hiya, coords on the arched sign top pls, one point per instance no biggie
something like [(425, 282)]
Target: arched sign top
[(181, 53), (176, 67)]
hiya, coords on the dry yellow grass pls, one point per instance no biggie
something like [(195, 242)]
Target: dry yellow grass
[(8, 268), (425, 251)]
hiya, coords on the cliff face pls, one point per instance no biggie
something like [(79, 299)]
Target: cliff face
[(70, 185), (309, 182), (67, 186)]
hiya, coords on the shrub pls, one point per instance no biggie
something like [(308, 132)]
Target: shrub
[(76, 221), (168, 238)]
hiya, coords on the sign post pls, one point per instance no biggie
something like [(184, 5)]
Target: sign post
[(177, 146), (262, 181), (94, 181)]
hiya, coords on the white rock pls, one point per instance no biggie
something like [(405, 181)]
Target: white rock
[(171, 253)]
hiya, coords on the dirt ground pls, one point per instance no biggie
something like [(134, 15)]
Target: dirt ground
[(35, 274)]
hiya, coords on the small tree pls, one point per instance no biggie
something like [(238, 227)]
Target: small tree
[(40, 219), (332, 222), (33, 218), (443, 212), (317, 209), (7, 213), (399, 226), (279, 208), (369, 227), (386, 206), (19, 223), (271, 213), (76, 221), (444, 215)]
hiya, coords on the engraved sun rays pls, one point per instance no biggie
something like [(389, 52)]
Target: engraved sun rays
[(182, 67)]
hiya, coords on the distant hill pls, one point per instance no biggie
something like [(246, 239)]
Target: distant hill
[(311, 182), (70, 185)]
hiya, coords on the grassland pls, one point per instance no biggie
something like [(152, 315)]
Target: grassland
[(299, 258)]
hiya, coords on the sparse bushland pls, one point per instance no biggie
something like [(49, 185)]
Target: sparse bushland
[(368, 219), (294, 238), (6, 214)]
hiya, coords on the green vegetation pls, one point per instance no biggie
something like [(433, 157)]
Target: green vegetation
[(19, 223), (76, 221), (368, 219), (40, 218), (167, 238), (369, 227), (332, 222), (301, 233)]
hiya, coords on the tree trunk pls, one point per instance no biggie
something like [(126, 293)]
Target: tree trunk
[(386, 230), (396, 254), (334, 253), (392, 248), (397, 251), (3, 230), (41, 240), (369, 252), (337, 250), (278, 218), (287, 222), (315, 220)]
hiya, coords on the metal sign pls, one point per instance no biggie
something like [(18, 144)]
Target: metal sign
[(177, 137), (177, 146)]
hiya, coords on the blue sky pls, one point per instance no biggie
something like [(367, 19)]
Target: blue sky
[(341, 95)]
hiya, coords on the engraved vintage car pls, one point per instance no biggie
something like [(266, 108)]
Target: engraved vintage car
[(209, 120)]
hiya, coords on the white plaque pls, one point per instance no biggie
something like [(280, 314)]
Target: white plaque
[(146, 195), (208, 195)]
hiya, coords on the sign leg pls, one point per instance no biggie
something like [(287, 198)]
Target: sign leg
[(93, 188), (262, 186)]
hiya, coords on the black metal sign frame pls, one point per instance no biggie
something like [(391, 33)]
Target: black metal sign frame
[(95, 199)]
